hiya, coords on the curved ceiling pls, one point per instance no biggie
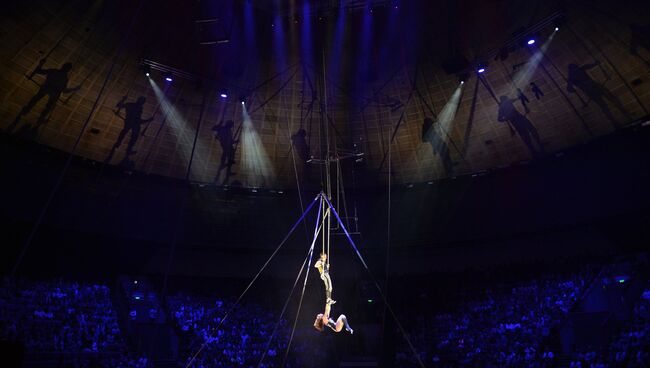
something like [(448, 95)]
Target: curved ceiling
[(383, 98)]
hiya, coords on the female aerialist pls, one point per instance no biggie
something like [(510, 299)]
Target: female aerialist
[(323, 319), (323, 268)]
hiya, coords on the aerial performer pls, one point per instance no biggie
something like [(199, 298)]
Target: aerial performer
[(323, 319), (323, 268)]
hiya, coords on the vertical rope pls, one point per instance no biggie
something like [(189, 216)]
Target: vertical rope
[(196, 136)]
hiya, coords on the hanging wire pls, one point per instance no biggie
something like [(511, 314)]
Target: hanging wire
[(374, 280), (241, 296), (310, 253)]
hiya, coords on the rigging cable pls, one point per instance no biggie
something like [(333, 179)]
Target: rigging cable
[(310, 253), (381, 293), (232, 307)]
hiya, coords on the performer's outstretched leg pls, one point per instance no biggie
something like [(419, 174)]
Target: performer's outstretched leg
[(343, 319)]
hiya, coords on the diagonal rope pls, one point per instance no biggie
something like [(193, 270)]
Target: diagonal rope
[(232, 307), (302, 295), (295, 283), (383, 296)]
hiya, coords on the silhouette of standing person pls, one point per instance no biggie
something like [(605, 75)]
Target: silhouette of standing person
[(536, 90), (579, 78), (226, 137), (520, 124), (55, 84), (299, 141), (524, 100), (438, 145), (132, 122)]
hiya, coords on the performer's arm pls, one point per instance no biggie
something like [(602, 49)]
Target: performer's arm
[(328, 308), (318, 264), (39, 68)]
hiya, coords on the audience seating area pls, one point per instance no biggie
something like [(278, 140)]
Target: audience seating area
[(63, 324), (506, 324)]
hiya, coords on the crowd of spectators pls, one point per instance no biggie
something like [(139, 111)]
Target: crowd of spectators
[(240, 340), (504, 325), (71, 323), (489, 324), (629, 347)]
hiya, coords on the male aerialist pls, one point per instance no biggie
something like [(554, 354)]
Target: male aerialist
[(323, 268)]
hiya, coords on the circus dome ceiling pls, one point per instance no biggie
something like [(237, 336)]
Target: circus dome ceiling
[(257, 93)]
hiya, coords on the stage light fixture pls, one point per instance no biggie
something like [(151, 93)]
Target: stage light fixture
[(169, 77), (146, 69), (481, 67), (223, 94), (558, 23), (531, 41), (462, 77)]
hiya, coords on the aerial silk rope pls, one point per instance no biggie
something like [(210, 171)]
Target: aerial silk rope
[(286, 237), (363, 262)]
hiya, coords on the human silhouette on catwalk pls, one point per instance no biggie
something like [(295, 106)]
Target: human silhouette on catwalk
[(520, 124), (132, 122), (524, 100), (595, 91), (438, 145), (301, 147), (55, 84), (226, 137), (536, 90)]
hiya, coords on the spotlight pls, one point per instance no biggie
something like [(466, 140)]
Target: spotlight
[(462, 82), (146, 69), (558, 22), (481, 70), (482, 66), (223, 93), (169, 77), (531, 41), (242, 99)]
